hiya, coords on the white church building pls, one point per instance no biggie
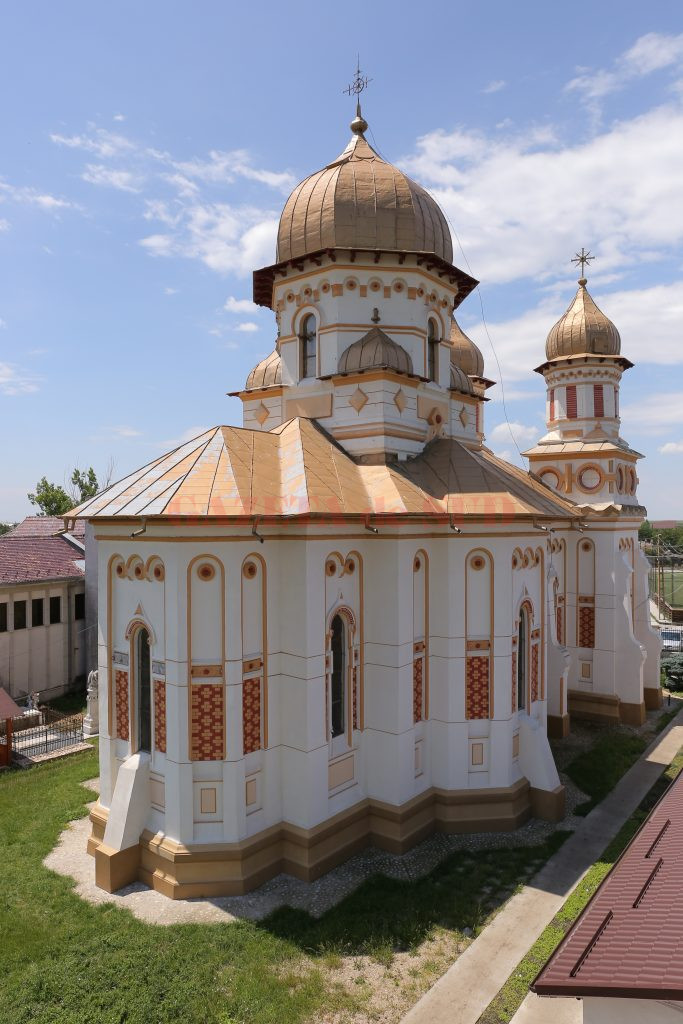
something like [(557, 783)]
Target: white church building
[(348, 622)]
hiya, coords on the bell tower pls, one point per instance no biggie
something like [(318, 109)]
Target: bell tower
[(583, 456)]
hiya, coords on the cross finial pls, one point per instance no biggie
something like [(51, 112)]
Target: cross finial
[(581, 259), (360, 82)]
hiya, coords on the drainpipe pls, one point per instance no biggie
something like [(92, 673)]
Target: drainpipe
[(69, 635)]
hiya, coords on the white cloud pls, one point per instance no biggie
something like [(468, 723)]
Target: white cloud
[(247, 327), (119, 117), (233, 305), (522, 435), (3, 324), (118, 433), (223, 168), (4, 224), (33, 197), (522, 203), (170, 291), (98, 174), (15, 381), (656, 415), (495, 86), (651, 52), (672, 448), (101, 142)]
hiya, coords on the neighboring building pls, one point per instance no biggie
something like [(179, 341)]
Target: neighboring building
[(42, 607), (348, 621), (624, 955)]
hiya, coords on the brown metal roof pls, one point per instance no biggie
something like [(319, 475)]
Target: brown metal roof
[(298, 470), (628, 942), (8, 709)]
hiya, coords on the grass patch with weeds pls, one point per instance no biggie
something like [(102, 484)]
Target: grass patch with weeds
[(597, 771), (503, 1008), (66, 961)]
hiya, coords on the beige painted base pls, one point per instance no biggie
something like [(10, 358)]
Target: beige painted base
[(230, 869), (653, 697), (593, 707), (632, 714), (116, 868), (558, 726)]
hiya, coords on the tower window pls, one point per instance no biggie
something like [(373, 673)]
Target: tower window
[(432, 351), (308, 338), (571, 401), (522, 658), (598, 401), (552, 404), (338, 681), (143, 687)]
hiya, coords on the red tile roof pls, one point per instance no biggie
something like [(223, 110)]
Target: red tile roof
[(32, 559), (628, 942), (46, 526)]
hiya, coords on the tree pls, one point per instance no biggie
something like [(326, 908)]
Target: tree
[(646, 532), (53, 500)]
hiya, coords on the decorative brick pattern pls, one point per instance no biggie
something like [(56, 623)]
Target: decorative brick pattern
[(418, 689), (586, 626), (251, 715), (477, 688), (122, 709), (514, 681), (207, 715), (559, 622), (160, 715), (534, 672), (354, 697)]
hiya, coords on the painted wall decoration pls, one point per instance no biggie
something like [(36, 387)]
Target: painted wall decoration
[(254, 654), (160, 715), (420, 636), (585, 589), (479, 634), (122, 706)]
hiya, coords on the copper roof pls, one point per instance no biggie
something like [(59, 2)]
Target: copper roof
[(8, 709), (459, 381), (265, 374), (360, 201), (298, 470), (584, 329), (374, 351), (464, 353), (628, 942)]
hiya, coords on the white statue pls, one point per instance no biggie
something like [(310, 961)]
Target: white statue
[(91, 722)]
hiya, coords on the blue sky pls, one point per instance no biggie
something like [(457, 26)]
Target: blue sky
[(147, 150)]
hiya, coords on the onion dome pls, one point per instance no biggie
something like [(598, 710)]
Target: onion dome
[(583, 330), (459, 380), (265, 374), (375, 351), (464, 353), (359, 201)]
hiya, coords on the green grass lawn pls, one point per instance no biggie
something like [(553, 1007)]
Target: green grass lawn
[(503, 1008), (64, 960), (596, 771)]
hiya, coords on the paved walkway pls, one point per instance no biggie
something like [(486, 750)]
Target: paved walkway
[(464, 992)]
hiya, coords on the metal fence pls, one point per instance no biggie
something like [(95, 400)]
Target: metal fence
[(48, 731)]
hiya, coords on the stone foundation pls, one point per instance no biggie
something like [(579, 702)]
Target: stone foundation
[(558, 726), (653, 697), (230, 869)]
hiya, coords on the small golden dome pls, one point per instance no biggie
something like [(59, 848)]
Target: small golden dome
[(583, 330), (265, 374), (464, 353), (375, 351), (359, 201), (459, 380)]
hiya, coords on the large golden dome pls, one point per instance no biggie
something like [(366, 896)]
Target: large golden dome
[(359, 201), (583, 330)]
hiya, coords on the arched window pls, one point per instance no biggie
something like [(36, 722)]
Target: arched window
[(308, 338), (432, 350), (338, 678), (143, 690), (522, 658)]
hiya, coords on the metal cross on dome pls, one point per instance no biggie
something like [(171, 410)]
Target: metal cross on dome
[(360, 82), (583, 258)]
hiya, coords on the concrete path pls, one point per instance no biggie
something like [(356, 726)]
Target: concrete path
[(464, 992), (535, 1010)]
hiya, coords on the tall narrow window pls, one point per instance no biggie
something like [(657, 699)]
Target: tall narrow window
[(37, 618), (143, 687), (571, 401), (616, 402), (432, 351), (338, 687), (19, 610), (79, 606), (3, 617), (55, 610), (598, 401), (309, 338), (522, 658), (552, 404)]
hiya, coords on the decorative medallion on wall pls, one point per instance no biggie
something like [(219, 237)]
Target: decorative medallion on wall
[(358, 399)]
